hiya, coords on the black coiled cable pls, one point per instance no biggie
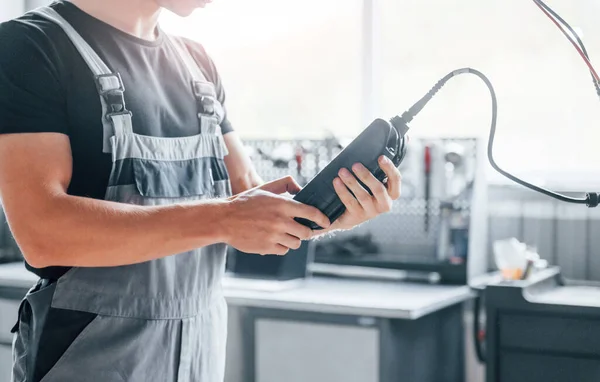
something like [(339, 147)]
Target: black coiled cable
[(591, 199)]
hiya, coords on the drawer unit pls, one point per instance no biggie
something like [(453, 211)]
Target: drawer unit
[(542, 330), (567, 335), (283, 345), (284, 348), (526, 367)]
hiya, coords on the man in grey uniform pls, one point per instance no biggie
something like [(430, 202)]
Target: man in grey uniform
[(123, 181)]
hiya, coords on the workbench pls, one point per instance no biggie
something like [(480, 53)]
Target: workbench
[(542, 329), (321, 329)]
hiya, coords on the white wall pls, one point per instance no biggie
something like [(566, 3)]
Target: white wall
[(30, 4), (11, 8)]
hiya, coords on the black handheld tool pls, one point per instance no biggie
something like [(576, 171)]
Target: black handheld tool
[(381, 137)]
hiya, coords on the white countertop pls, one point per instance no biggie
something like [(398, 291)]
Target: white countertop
[(394, 299), (588, 296)]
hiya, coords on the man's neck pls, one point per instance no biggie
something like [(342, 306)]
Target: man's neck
[(136, 17)]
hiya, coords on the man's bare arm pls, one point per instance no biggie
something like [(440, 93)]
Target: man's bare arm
[(242, 173), (53, 228), (56, 229)]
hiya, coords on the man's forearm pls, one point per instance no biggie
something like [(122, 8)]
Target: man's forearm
[(246, 182), (242, 174), (75, 231)]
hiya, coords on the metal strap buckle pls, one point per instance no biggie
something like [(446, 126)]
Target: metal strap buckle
[(206, 106), (111, 88), (115, 101), (205, 102), (106, 83), (110, 116)]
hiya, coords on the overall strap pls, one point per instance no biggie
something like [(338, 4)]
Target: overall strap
[(116, 119), (204, 92), (187, 59)]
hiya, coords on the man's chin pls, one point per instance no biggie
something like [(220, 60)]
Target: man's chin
[(203, 3), (187, 9)]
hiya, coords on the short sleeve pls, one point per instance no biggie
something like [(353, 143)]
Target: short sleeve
[(31, 97), (210, 70)]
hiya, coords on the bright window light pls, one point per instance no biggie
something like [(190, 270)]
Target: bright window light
[(290, 68)]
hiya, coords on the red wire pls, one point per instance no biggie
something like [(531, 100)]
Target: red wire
[(589, 64)]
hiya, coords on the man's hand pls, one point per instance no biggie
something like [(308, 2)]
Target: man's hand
[(261, 220), (362, 206)]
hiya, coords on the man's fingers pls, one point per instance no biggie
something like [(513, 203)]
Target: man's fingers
[(359, 192), (298, 230), (272, 186), (289, 241), (292, 186), (281, 186), (279, 250), (383, 201), (311, 213), (349, 201), (394, 178), (376, 187)]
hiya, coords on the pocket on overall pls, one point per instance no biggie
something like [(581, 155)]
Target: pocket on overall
[(56, 352), (118, 349), (179, 178), (82, 360), (43, 333), (32, 314)]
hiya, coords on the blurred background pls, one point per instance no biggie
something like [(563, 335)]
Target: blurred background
[(428, 292), (301, 68)]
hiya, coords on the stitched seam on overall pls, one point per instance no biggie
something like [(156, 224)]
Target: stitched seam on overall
[(158, 298), (172, 139)]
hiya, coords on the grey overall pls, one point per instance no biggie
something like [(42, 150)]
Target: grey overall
[(163, 320)]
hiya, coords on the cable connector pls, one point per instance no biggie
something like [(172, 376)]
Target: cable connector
[(400, 125), (592, 199), (408, 115)]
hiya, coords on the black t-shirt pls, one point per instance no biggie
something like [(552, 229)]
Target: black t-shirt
[(46, 86)]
